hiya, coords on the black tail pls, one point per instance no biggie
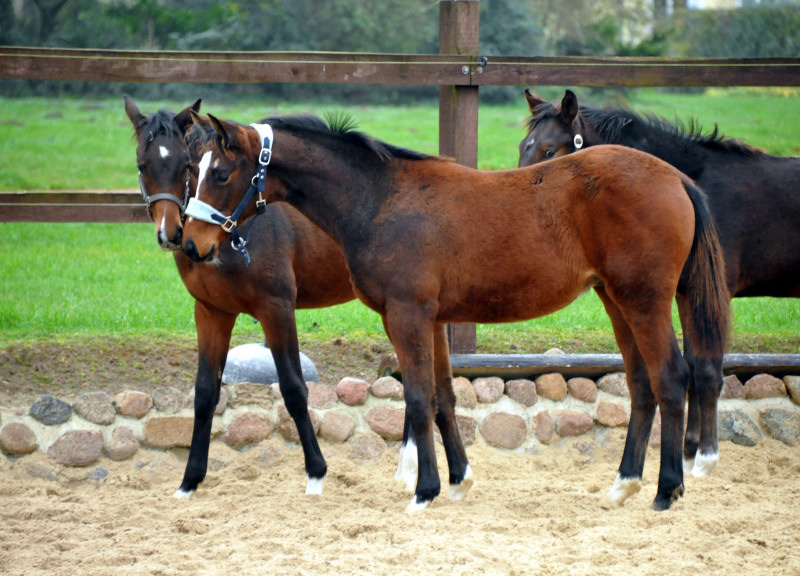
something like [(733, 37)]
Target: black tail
[(704, 282)]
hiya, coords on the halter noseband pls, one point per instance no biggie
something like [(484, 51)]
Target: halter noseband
[(203, 211), (149, 200)]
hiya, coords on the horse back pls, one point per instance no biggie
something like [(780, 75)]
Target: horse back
[(756, 204), (503, 246)]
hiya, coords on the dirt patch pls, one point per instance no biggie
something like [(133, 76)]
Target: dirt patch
[(528, 513), (68, 366), (87, 364)]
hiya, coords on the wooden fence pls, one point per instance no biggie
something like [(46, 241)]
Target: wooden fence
[(459, 70)]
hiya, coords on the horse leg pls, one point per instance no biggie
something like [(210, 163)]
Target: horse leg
[(457, 463), (700, 449), (280, 330), (411, 332), (643, 408), (214, 329), (651, 323), (460, 471), (408, 465), (691, 440)]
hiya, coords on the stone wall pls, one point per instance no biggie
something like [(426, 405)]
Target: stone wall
[(512, 415)]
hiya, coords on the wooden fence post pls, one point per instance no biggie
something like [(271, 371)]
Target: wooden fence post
[(458, 116)]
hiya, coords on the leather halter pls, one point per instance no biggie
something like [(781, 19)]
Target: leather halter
[(203, 211), (150, 200)]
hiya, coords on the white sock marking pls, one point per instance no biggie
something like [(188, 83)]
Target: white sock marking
[(416, 505), (704, 464), (408, 467), (314, 486), (688, 464), (458, 491), (183, 494), (622, 489)]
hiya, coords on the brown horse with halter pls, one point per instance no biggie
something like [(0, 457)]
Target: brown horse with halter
[(296, 266), (752, 195), (430, 242)]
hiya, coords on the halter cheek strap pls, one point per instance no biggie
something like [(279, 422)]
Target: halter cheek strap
[(150, 200), (200, 210)]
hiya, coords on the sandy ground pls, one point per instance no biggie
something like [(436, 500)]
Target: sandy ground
[(533, 513)]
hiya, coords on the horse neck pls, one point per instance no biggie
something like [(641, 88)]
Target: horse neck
[(688, 157), (339, 194)]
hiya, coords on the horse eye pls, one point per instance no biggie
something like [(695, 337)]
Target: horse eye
[(549, 153), (222, 177), (141, 168)]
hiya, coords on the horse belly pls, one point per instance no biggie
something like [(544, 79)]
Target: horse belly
[(501, 300)]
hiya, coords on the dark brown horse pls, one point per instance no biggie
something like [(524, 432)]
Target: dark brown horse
[(296, 265), (753, 197), (430, 242)]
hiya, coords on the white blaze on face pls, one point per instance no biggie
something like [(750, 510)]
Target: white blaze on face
[(202, 170), (164, 152), (205, 162)]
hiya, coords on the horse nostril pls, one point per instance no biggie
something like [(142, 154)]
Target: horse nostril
[(190, 249), (179, 235)]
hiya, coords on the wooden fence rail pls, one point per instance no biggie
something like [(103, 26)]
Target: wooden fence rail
[(363, 68)]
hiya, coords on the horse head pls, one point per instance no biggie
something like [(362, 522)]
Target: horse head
[(164, 163), (229, 161), (553, 130)]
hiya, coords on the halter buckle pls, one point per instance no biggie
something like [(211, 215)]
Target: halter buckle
[(228, 225), (265, 156)]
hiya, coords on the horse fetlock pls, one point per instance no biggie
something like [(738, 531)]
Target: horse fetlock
[(621, 490), (460, 489)]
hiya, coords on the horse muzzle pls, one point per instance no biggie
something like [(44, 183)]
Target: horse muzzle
[(193, 253)]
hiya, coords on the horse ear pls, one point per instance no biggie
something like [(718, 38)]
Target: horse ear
[(132, 110), (569, 107), (534, 100), (201, 121), (225, 131), (185, 117)]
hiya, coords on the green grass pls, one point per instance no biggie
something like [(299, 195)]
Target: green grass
[(95, 279)]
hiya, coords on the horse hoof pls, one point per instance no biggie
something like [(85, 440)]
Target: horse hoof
[(661, 504), (688, 465), (314, 486), (182, 494), (459, 491), (417, 505), (622, 489), (705, 464)]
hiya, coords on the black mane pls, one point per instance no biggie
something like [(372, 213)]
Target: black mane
[(161, 123), (342, 127), (609, 124)]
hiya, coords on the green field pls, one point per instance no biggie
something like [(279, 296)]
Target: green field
[(75, 280)]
